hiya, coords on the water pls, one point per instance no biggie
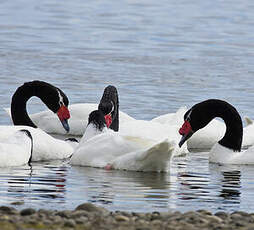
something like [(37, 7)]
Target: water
[(191, 184), (160, 55)]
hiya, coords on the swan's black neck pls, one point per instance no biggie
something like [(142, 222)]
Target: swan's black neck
[(208, 110), (110, 96), (31, 138), (48, 93)]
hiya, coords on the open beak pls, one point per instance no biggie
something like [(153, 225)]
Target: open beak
[(63, 115), (186, 132), (108, 119)]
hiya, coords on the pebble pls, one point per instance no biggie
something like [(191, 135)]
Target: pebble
[(90, 217), (69, 223), (121, 218), (27, 211)]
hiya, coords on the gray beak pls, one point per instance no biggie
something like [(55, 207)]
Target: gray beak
[(184, 138), (65, 125)]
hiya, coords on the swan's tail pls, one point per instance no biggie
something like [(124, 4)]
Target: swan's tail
[(154, 159)]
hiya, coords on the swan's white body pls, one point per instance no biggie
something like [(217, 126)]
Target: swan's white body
[(49, 122), (45, 147), (122, 152), (15, 150), (207, 137), (154, 131), (224, 155), (248, 137)]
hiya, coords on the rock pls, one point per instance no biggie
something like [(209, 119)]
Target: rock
[(157, 222), (18, 203), (27, 212), (121, 218), (4, 217), (81, 220), (64, 214), (214, 219), (79, 213), (87, 216), (90, 208), (204, 212), (8, 210), (69, 223), (222, 215)]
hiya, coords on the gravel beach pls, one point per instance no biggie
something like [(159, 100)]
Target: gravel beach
[(87, 216)]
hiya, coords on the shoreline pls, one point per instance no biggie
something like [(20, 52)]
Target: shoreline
[(88, 216)]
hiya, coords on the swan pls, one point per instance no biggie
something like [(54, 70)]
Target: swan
[(228, 149), (109, 104), (45, 147), (53, 97), (104, 148), (206, 137), (16, 149)]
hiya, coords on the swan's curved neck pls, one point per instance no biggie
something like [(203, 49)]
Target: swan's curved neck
[(234, 129), (19, 100)]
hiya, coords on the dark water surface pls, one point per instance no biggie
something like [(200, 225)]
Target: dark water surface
[(160, 55)]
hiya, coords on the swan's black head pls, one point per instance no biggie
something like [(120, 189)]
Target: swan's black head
[(202, 113), (56, 101), (109, 106), (97, 119), (197, 118), (53, 97)]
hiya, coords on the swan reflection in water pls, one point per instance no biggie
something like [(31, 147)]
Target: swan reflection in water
[(35, 182), (119, 189), (220, 185)]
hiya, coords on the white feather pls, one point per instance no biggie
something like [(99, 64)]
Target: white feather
[(15, 149), (123, 152), (45, 147)]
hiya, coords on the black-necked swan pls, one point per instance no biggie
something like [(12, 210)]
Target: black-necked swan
[(45, 146), (206, 137), (228, 149), (17, 149), (47, 121), (53, 97), (104, 148)]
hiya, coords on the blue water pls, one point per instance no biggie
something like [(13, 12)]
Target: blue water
[(160, 55)]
